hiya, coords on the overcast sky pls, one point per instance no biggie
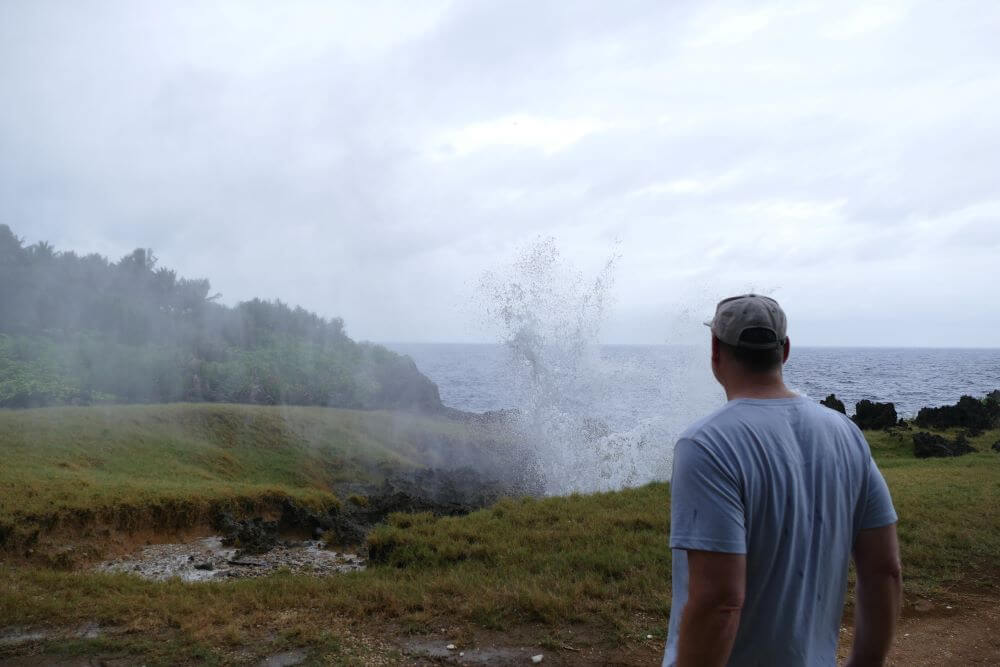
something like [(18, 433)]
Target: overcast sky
[(372, 159)]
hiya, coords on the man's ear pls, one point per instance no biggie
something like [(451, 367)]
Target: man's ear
[(788, 348)]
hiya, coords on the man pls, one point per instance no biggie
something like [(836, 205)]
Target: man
[(771, 494)]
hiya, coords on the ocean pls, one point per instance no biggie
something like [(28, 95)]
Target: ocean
[(604, 417), (476, 377)]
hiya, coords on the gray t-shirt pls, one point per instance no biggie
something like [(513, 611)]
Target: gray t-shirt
[(789, 483)]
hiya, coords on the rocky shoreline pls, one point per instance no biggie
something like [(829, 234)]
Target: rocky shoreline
[(970, 415)]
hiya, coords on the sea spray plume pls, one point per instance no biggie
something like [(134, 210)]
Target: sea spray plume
[(529, 304), (549, 318), (544, 311)]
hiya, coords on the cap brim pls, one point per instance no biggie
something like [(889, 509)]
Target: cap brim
[(708, 323)]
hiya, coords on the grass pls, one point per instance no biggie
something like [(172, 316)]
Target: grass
[(596, 562), (581, 570), (171, 466), (949, 511)]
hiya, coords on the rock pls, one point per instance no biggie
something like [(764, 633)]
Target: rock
[(996, 446), (834, 403), (450, 647), (285, 659), (501, 417), (255, 536), (926, 445), (441, 492), (869, 415), (537, 658), (204, 566), (970, 412), (923, 605)]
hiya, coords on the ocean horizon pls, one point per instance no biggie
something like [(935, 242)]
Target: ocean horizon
[(909, 377)]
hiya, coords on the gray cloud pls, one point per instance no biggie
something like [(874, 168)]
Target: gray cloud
[(372, 160)]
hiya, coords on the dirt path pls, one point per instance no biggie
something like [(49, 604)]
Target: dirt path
[(962, 630), (965, 630)]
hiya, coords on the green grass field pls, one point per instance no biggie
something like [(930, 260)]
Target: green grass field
[(949, 511), (580, 571), (168, 467)]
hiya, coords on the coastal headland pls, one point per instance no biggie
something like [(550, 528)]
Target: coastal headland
[(185, 482)]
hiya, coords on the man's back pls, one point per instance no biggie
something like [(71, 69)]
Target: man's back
[(790, 484)]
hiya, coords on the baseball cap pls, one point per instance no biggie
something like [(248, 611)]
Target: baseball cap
[(736, 314)]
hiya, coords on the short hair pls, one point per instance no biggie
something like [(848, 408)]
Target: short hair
[(755, 360)]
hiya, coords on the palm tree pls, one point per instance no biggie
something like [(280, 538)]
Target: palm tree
[(42, 251)]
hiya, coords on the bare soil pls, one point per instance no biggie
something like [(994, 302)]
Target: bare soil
[(963, 629)]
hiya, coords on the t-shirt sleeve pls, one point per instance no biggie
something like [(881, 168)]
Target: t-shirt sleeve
[(878, 509), (706, 502)]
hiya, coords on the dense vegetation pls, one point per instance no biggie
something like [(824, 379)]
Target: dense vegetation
[(82, 329)]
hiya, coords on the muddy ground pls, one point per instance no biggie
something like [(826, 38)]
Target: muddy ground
[(209, 559)]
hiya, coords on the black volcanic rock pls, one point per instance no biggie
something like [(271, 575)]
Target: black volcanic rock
[(870, 416), (927, 445), (252, 536), (834, 403), (969, 412)]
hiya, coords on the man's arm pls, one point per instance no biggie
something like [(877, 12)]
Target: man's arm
[(711, 617), (879, 595)]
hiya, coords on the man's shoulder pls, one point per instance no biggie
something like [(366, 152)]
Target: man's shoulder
[(821, 415), (744, 413), (698, 429)]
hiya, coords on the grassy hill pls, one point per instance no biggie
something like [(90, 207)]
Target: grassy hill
[(169, 467), (588, 572)]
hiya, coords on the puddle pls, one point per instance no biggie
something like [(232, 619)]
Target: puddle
[(208, 560)]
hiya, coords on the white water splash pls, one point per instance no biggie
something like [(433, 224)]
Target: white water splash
[(572, 401)]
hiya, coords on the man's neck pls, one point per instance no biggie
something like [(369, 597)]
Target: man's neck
[(762, 387)]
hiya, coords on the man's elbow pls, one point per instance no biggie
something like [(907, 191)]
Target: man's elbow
[(723, 601), (883, 569), (876, 554), (716, 582)]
